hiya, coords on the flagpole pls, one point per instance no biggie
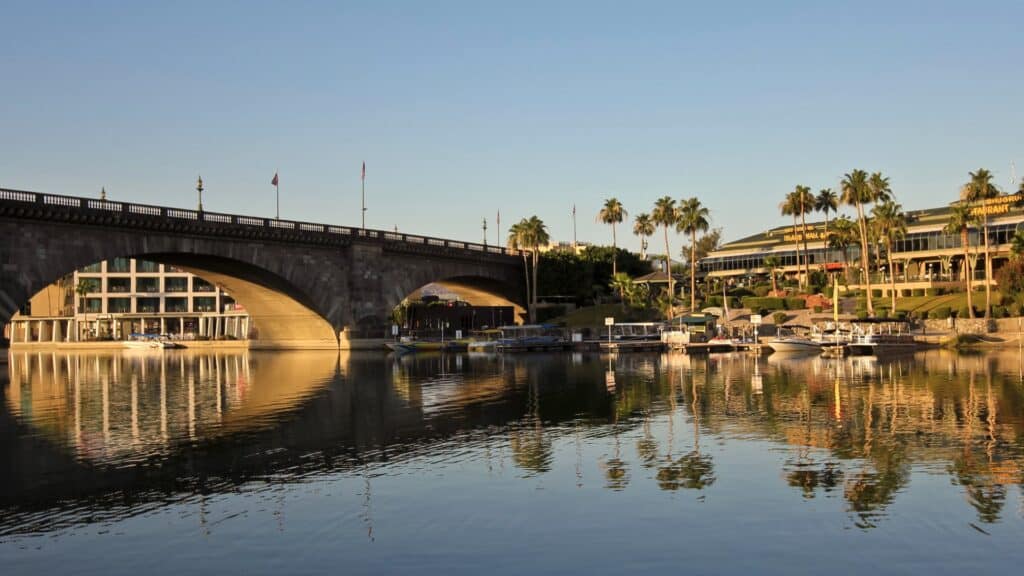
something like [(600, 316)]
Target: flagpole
[(277, 196), (363, 179), (574, 228)]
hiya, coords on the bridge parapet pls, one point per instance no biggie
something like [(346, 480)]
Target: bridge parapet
[(80, 210)]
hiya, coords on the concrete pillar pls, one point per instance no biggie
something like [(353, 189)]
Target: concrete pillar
[(55, 335), (216, 327), (27, 331), (163, 325), (70, 331), (181, 328)]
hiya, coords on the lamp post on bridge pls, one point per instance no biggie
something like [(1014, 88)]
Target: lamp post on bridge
[(485, 232), (199, 188)]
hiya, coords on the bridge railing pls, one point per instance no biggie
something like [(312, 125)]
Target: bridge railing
[(113, 207)]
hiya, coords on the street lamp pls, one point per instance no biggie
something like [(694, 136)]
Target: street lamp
[(199, 188), (485, 231)]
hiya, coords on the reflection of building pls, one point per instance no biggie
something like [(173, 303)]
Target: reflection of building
[(925, 257), (112, 300)]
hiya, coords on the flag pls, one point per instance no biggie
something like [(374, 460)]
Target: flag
[(364, 171), (274, 181)]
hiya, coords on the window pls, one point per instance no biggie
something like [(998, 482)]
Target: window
[(94, 305), (148, 305), (92, 268), (176, 305), (147, 284), (119, 285), (121, 265), (119, 305), (200, 285), (204, 304), (175, 284), (146, 266), (90, 284)]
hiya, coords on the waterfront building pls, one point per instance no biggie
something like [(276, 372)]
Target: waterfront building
[(113, 299), (926, 257)]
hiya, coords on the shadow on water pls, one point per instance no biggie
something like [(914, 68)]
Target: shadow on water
[(98, 437)]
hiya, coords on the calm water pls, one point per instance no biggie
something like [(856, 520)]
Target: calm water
[(310, 463)]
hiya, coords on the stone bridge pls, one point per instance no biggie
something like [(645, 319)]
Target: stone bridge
[(302, 283)]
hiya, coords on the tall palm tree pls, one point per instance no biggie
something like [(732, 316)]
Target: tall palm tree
[(880, 191), (892, 223), (826, 201), (517, 241), (82, 289), (772, 264), (535, 236), (612, 213), (794, 205), (856, 193), (805, 201), (960, 222), (693, 218), (979, 189), (643, 227), (664, 215), (1017, 244)]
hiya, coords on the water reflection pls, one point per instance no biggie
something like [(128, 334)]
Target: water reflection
[(108, 436)]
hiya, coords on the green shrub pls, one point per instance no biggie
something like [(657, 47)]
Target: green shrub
[(901, 314), (882, 312), (906, 292), (1000, 312), (963, 312), (917, 292), (763, 303), (876, 293), (862, 314), (741, 292), (940, 313), (713, 300), (817, 309), (795, 303), (762, 291), (930, 292), (779, 317)]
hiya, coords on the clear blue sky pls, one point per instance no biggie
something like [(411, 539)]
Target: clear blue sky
[(461, 109)]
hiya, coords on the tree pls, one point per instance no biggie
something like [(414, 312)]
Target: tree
[(892, 225), (857, 193), (841, 236), (693, 218), (960, 221), (517, 241), (643, 227), (1017, 244), (826, 201), (977, 190), (772, 263), (798, 203), (535, 235), (664, 215), (82, 288), (612, 213)]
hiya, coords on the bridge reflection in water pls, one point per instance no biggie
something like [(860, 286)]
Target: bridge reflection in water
[(120, 432)]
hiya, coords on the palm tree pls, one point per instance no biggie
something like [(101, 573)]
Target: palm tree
[(960, 221), (535, 235), (664, 215), (643, 227), (840, 237), (880, 191), (856, 193), (979, 189), (826, 201), (82, 288), (612, 213), (693, 218), (892, 224), (798, 203), (772, 263), (517, 241)]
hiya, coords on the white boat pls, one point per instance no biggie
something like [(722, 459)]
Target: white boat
[(794, 343), (149, 342)]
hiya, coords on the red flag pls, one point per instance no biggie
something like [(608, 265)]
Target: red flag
[(364, 171), (274, 181)]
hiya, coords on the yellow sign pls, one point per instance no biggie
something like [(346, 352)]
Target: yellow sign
[(997, 205)]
